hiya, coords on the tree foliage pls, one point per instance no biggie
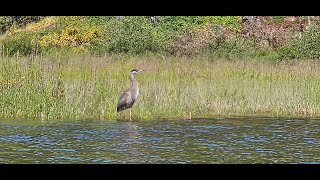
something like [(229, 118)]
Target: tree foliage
[(6, 22), (223, 36)]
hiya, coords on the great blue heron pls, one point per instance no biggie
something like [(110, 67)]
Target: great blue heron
[(128, 97)]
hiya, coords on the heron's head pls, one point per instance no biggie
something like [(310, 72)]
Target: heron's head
[(135, 71)]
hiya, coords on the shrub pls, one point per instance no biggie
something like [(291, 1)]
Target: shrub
[(193, 41), (19, 43), (76, 38), (134, 35), (130, 34), (308, 46)]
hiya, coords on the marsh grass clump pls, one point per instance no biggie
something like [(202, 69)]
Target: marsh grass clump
[(81, 86)]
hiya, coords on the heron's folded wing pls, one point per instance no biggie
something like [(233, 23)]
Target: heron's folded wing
[(124, 100)]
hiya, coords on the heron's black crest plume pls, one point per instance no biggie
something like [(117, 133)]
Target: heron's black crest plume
[(134, 70)]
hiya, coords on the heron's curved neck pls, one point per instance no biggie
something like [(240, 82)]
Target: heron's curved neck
[(134, 82)]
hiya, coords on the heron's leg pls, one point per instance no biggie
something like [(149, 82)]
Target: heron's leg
[(189, 115), (130, 114)]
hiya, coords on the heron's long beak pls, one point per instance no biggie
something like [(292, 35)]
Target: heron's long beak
[(140, 70)]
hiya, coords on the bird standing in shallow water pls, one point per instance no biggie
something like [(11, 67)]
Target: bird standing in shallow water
[(128, 97)]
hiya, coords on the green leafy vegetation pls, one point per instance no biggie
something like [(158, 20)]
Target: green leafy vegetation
[(77, 66), (222, 36), (173, 35), (278, 19), (305, 47)]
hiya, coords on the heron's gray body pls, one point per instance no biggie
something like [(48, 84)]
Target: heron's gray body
[(128, 97)]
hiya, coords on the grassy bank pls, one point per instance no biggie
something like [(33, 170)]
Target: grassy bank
[(80, 86)]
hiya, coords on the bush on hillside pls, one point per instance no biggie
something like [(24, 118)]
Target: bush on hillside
[(307, 46)]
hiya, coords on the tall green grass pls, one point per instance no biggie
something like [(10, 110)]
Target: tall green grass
[(80, 86)]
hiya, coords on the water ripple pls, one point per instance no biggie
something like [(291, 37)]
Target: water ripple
[(246, 140)]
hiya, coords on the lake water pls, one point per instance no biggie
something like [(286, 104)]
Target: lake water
[(232, 140)]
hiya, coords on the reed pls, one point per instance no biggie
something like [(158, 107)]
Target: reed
[(83, 86)]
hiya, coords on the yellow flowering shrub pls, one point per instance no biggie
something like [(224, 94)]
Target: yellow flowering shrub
[(43, 24), (72, 33), (33, 26), (74, 37)]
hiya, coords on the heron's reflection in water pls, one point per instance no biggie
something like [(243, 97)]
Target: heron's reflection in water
[(133, 140)]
